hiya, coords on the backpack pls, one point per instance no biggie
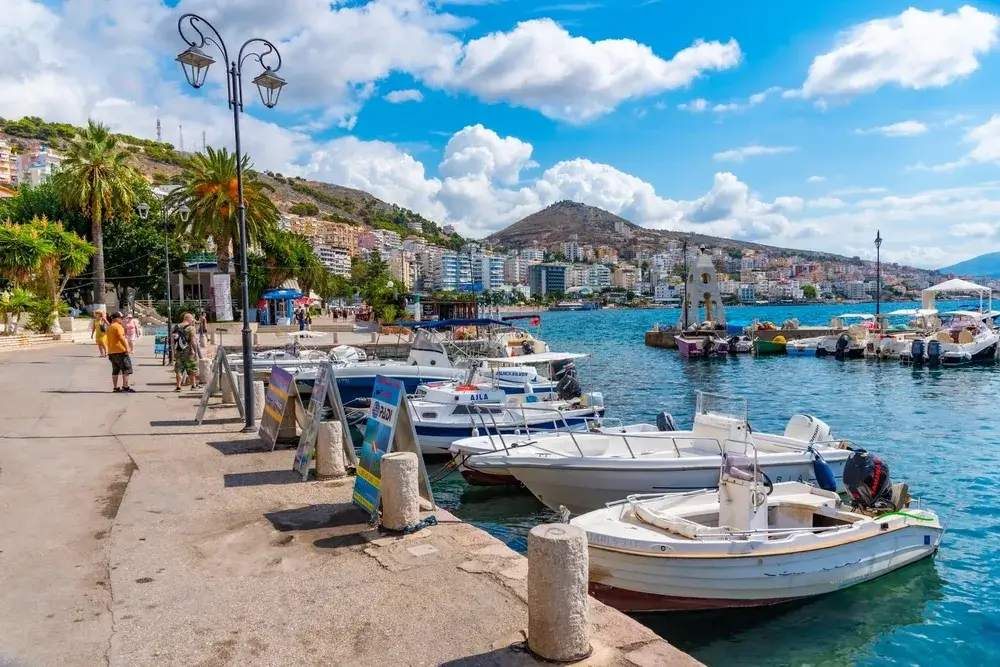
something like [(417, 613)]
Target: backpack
[(181, 338), (104, 327)]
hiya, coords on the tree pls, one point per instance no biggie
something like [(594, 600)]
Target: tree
[(809, 291), (208, 188), (96, 179), (305, 208), (376, 291)]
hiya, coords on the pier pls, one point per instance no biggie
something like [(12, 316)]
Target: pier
[(133, 537), (664, 338)]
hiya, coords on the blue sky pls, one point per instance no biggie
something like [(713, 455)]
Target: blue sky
[(800, 124)]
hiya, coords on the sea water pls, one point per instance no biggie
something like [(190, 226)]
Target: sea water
[(938, 429)]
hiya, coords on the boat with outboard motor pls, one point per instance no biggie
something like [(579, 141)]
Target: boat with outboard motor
[(852, 343), (967, 337), (429, 361), (701, 345), (445, 412), (584, 471), (753, 541)]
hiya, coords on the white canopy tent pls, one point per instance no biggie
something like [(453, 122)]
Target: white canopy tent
[(958, 285)]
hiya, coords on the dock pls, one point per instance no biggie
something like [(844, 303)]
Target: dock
[(132, 537), (664, 338)]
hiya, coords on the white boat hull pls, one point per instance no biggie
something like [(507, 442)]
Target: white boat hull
[(583, 488), (633, 582)]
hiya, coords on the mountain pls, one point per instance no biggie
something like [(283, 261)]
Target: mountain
[(985, 266), (595, 226)]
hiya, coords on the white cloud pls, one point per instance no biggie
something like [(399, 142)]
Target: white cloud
[(826, 202), (409, 95), (906, 128), (701, 104), (739, 154), (986, 148), (477, 151), (815, 179), (981, 230), (696, 106), (914, 50), (844, 192), (539, 65)]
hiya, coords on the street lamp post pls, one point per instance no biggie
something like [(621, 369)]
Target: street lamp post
[(184, 212), (878, 273), (195, 63)]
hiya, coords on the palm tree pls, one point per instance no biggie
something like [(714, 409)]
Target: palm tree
[(22, 251), (208, 187), (68, 258), (96, 179)]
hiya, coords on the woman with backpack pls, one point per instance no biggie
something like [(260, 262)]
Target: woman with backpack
[(99, 332)]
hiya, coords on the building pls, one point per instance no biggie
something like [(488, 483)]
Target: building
[(572, 250), (625, 276), (453, 272), (547, 278), (415, 226), (665, 293), (515, 270), (36, 168), (338, 260), (491, 272), (598, 276), (404, 267), (8, 164), (448, 230), (748, 293), (335, 234), (855, 290), (533, 254)]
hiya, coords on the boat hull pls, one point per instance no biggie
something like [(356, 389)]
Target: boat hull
[(641, 583), (583, 489), (438, 438), (769, 347)]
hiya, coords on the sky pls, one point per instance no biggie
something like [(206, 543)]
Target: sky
[(807, 125)]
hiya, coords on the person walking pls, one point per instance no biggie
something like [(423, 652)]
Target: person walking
[(99, 332), (301, 317), (202, 332), (118, 348), (308, 321), (185, 352), (132, 331)]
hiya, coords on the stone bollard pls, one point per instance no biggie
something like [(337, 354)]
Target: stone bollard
[(227, 389), (400, 493), (558, 611), (336, 339), (256, 340), (204, 368), (211, 337), (330, 451), (374, 337), (258, 399)]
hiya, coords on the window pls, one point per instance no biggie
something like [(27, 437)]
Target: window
[(428, 415)]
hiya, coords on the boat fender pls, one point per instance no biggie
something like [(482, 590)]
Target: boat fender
[(665, 422), (824, 473)]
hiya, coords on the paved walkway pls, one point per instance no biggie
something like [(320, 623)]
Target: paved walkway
[(131, 537)]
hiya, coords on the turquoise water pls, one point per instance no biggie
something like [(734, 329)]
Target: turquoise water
[(938, 430)]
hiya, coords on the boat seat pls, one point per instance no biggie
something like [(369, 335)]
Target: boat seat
[(943, 337), (964, 337)]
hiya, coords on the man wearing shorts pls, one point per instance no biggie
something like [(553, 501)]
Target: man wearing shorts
[(121, 363), (185, 352)]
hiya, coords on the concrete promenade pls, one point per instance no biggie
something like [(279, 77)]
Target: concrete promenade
[(131, 537)]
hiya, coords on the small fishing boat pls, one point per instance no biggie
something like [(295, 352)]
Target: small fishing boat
[(584, 471), (776, 345), (445, 412), (852, 343), (803, 347), (741, 344), (966, 338), (753, 542), (693, 345)]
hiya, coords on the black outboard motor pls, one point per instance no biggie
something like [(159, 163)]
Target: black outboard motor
[(732, 344), (559, 369), (934, 352), (528, 347), (843, 343), (866, 479), (665, 422), (568, 387), (917, 351)]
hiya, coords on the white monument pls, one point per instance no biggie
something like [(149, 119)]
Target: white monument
[(702, 286)]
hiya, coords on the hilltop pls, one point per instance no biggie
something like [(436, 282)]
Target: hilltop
[(985, 266), (160, 163), (595, 226)]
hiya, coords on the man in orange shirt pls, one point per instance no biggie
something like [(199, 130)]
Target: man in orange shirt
[(121, 364)]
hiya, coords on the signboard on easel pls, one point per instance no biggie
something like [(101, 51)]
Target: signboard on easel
[(325, 391), (220, 364), (388, 428), (280, 385)]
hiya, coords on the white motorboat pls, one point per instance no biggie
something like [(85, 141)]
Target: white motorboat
[(967, 337), (803, 347), (445, 412), (852, 343), (751, 543), (585, 471)]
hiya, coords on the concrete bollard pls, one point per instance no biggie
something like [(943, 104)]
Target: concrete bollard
[(256, 340), (211, 337), (374, 337), (330, 451), (227, 389), (336, 339), (258, 399), (558, 611), (204, 368), (400, 493)]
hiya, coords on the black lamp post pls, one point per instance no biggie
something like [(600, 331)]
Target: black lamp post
[(184, 212), (195, 63), (878, 272)]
